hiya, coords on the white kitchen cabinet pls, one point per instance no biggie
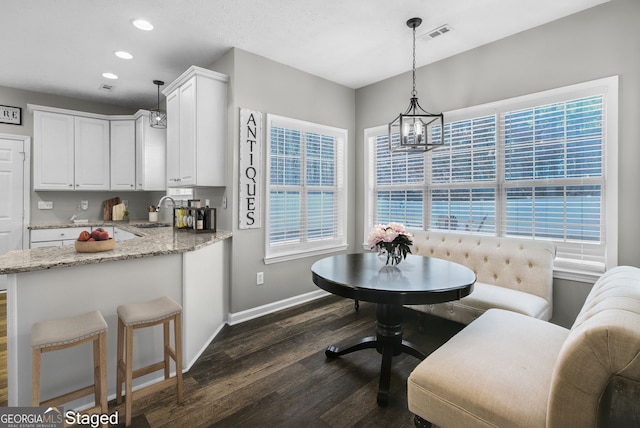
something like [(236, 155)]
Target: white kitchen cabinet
[(91, 153), (70, 152), (151, 154), (53, 151), (196, 128), (56, 237), (123, 154)]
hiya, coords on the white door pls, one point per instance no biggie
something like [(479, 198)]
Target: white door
[(14, 194)]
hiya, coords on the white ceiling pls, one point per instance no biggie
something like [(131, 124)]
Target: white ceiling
[(63, 46)]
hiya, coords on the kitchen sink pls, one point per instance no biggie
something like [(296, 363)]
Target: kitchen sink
[(151, 225)]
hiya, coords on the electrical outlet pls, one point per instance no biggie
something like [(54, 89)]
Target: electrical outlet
[(224, 202), (45, 205), (260, 278), (84, 205)]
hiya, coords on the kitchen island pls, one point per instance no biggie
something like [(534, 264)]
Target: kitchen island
[(57, 282)]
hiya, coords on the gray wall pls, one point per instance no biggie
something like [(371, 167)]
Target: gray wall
[(599, 42), (260, 84)]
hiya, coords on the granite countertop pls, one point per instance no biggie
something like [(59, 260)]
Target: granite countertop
[(150, 242)]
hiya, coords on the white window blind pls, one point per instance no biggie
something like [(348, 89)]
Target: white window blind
[(398, 184), (307, 198), (540, 166)]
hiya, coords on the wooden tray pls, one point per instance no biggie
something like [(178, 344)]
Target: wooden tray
[(107, 208), (95, 246)]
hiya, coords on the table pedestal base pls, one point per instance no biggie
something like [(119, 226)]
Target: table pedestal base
[(388, 342)]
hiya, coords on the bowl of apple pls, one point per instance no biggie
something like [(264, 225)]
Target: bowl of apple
[(95, 241)]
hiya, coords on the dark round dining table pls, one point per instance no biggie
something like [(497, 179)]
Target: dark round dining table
[(416, 280)]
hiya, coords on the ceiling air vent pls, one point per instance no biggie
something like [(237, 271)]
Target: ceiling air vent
[(436, 32), (105, 87)]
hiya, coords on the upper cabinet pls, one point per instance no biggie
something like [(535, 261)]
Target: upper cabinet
[(151, 155), (123, 154), (70, 152), (86, 151), (196, 128)]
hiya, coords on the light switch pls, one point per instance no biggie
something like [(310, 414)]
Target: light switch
[(45, 205)]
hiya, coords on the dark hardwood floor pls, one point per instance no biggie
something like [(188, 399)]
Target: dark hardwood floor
[(272, 372)]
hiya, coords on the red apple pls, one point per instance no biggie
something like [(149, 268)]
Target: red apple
[(104, 235), (96, 234), (91, 240), (84, 236)]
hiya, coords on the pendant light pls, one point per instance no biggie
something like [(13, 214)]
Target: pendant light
[(157, 117), (413, 130)]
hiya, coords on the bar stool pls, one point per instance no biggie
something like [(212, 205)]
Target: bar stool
[(53, 335), (140, 315)]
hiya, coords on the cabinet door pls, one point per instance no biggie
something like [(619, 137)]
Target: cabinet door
[(188, 140), (151, 155), (53, 151), (91, 154), (123, 155), (173, 139)]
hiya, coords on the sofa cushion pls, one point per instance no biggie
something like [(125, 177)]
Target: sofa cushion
[(487, 296), (520, 264), (496, 372)]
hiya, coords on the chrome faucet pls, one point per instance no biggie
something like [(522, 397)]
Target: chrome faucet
[(162, 199)]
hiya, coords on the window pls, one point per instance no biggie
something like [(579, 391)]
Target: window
[(535, 167), (305, 183)]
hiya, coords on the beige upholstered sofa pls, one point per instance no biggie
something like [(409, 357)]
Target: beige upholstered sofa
[(509, 370), (511, 274)]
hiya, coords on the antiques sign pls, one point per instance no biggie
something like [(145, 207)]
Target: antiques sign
[(250, 168), (11, 115)]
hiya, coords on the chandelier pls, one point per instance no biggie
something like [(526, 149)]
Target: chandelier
[(157, 117), (416, 130)]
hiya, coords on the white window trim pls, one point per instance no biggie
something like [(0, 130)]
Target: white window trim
[(284, 252), (610, 86)]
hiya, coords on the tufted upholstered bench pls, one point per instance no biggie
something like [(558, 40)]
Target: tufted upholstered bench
[(509, 370), (512, 274)]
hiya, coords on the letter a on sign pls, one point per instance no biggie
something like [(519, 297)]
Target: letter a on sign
[(250, 169)]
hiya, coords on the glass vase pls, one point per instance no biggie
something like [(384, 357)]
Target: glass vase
[(391, 257)]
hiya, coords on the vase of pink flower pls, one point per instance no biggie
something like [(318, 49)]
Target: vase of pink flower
[(392, 242)]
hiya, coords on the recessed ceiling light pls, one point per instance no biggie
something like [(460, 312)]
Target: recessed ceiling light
[(109, 75), (143, 24), (123, 55)]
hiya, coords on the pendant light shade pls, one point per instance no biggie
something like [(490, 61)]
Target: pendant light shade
[(416, 130), (157, 117)]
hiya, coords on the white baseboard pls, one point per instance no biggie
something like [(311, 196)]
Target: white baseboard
[(249, 314), (189, 364)]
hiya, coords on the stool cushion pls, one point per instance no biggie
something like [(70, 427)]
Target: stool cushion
[(64, 331), (146, 312)]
